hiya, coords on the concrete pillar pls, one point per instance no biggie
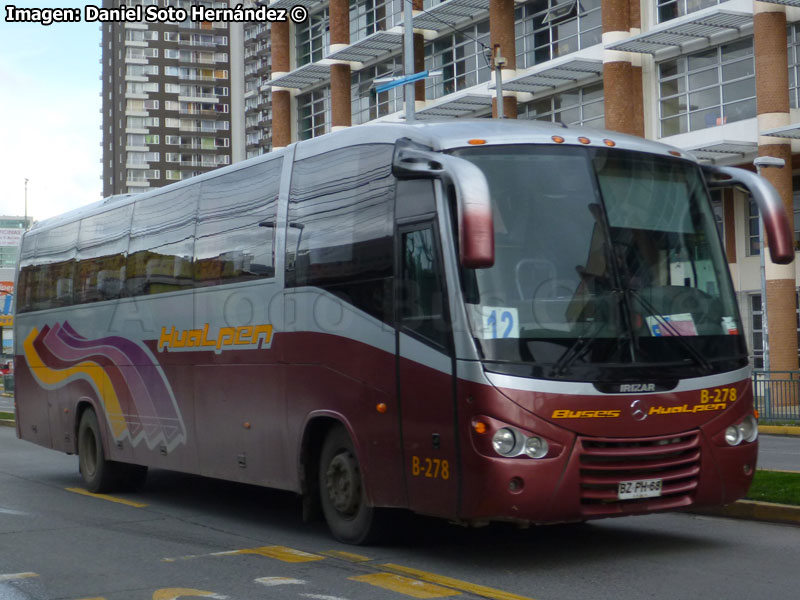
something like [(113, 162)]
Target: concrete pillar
[(772, 97), (618, 77), (501, 32), (419, 57), (339, 12), (281, 98)]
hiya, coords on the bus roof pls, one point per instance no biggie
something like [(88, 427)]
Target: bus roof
[(438, 135)]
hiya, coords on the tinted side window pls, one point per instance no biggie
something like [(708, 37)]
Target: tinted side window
[(47, 268), (161, 249), (421, 291), (102, 251), (339, 236), (236, 225), (28, 278)]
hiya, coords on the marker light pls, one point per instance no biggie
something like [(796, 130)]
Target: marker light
[(536, 447), (504, 441), (479, 427), (584, 140), (476, 142), (557, 139), (609, 143), (675, 153)]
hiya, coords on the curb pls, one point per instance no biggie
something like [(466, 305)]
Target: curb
[(779, 429), (756, 511), (7, 423)]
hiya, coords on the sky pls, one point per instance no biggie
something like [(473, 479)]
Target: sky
[(50, 106)]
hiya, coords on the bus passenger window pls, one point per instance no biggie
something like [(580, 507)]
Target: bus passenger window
[(233, 242), (161, 250), (340, 234), (102, 249), (421, 293)]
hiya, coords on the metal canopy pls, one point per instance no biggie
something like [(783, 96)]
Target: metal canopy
[(303, 77), (290, 3), (455, 107), (784, 2), (449, 13), (703, 24), (371, 47), (787, 131), (571, 71), (723, 150)]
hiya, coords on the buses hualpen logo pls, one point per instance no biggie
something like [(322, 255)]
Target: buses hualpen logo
[(135, 394)]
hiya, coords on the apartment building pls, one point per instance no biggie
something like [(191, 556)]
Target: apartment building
[(166, 90)]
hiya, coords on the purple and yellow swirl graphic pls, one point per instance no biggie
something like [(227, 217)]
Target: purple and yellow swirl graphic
[(138, 401)]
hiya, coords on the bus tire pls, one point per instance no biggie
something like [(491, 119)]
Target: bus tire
[(342, 494), (99, 474)]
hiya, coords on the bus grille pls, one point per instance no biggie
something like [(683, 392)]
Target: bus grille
[(605, 462)]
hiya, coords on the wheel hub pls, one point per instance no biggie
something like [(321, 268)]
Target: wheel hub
[(344, 483)]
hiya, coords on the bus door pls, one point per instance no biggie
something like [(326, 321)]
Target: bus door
[(425, 368)]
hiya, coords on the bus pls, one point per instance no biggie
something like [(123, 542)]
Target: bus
[(474, 320)]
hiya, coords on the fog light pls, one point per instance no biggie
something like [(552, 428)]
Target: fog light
[(733, 436), (504, 441), (536, 447), (748, 429)]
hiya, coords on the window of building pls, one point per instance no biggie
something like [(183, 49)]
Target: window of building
[(582, 106), (793, 49), (367, 104), (671, 9), (461, 59), (369, 16), (313, 109), (708, 88), (756, 321), (546, 29), (312, 38)]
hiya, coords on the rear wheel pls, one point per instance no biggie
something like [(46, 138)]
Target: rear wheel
[(99, 474), (343, 498)]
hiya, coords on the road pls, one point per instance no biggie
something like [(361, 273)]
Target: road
[(186, 536)]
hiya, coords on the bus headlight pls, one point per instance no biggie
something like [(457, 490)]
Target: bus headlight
[(504, 441), (748, 428), (733, 436), (536, 447), (744, 431)]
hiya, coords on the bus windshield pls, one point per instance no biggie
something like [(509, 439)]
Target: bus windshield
[(608, 266)]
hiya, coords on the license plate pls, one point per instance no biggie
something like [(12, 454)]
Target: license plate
[(644, 488)]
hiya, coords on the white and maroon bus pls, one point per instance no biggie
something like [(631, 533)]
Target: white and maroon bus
[(478, 320)]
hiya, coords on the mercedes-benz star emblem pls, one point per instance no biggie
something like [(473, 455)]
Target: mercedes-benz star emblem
[(639, 410)]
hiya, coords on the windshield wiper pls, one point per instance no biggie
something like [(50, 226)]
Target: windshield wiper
[(664, 322), (577, 349)]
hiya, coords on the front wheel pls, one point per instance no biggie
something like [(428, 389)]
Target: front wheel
[(343, 498)]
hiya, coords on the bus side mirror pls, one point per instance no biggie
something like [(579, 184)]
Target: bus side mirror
[(475, 221), (776, 221)]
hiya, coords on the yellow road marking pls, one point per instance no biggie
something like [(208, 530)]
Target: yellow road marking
[(348, 556), (106, 497), (405, 585), (282, 553), (13, 576), (464, 586), (175, 593)]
